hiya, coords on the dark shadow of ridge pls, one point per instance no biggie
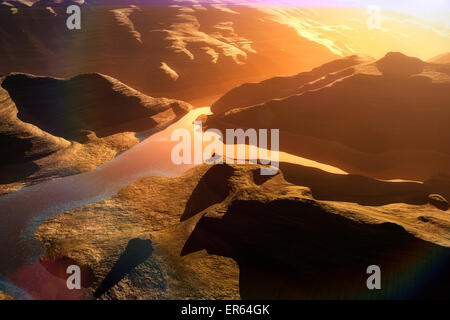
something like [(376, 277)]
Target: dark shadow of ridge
[(291, 249), (212, 188), (136, 252)]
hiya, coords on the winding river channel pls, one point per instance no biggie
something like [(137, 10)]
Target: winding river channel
[(22, 212)]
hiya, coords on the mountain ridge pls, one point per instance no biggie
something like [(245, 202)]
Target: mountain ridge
[(369, 122), (58, 127)]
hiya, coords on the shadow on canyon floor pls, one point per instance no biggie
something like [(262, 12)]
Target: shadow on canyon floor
[(136, 252), (290, 249)]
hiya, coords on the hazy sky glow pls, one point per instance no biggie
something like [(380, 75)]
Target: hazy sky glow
[(438, 10), (435, 10), (431, 10)]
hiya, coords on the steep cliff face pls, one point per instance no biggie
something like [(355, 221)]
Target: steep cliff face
[(386, 119), (22, 143)]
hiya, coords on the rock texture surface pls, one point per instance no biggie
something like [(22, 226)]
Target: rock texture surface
[(254, 237)]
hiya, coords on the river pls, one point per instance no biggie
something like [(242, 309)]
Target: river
[(23, 211)]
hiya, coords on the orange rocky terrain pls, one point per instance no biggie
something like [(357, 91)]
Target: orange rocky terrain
[(87, 178), (197, 50), (183, 51), (225, 232), (385, 119)]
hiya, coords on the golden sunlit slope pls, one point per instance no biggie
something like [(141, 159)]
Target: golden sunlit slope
[(57, 127), (385, 119), (442, 58)]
